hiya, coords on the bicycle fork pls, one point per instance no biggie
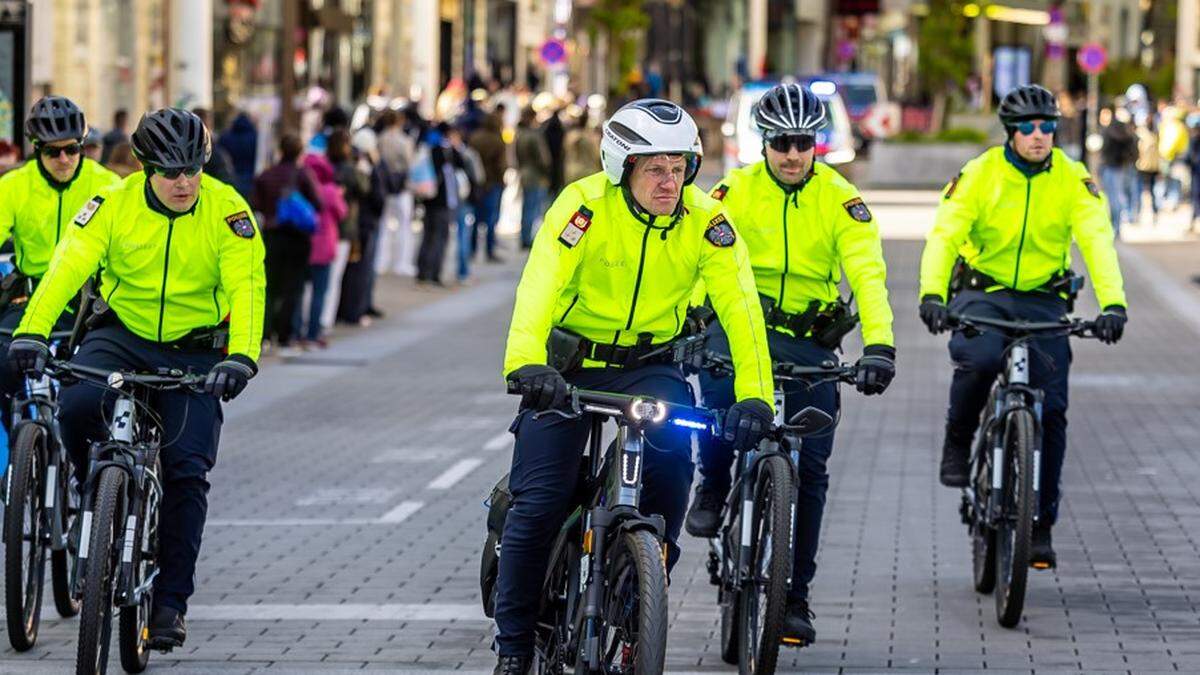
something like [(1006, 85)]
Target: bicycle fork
[(120, 431)]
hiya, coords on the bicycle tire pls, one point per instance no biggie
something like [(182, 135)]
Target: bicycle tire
[(25, 571), (134, 623), (764, 598), (731, 602), (95, 621), (983, 537), (62, 562), (1013, 539), (635, 558), (551, 651)]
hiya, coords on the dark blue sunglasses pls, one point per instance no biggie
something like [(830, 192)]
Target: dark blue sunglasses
[(1026, 128)]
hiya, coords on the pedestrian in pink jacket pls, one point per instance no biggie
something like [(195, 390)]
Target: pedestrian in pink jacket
[(324, 242)]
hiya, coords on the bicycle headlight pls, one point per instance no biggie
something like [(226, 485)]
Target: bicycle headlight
[(643, 410)]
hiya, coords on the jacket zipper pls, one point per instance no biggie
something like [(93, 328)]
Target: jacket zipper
[(783, 277), (677, 319), (108, 300), (1024, 222), (58, 221), (569, 308), (216, 305), (162, 299), (637, 285)]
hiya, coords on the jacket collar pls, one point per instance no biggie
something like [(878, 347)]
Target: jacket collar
[(1027, 169)]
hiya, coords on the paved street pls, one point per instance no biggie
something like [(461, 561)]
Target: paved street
[(346, 512)]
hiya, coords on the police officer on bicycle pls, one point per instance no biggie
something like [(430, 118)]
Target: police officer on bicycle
[(181, 273), (37, 202), (1010, 216), (605, 288), (803, 223)]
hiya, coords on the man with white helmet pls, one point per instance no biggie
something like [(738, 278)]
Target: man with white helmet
[(803, 224), (607, 285)]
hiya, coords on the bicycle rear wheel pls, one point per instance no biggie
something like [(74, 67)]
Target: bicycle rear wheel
[(983, 537), (1014, 528), (634, 631), (552, 651), (764, 596), (134, 625), (62, 561), (25, 545), (96, 545)]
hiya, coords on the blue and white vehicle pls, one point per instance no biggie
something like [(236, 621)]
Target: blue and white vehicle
[(743, 144)]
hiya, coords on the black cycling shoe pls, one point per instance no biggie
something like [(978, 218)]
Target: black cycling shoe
[(168, 629), (512, 665), (956, 465), (704, 518), (1041, 550), (798, 628)]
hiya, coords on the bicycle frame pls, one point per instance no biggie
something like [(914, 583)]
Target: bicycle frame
[(613, 487)]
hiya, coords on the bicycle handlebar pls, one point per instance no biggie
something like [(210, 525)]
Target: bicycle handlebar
[(1023, 329), (166, 378), (634, 409), (722, 365)]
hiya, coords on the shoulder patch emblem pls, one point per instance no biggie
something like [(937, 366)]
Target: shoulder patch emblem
[(719, 193), (1092, 189), (89, 209), (720, 232), (577, 226), (241, 224), (858, 210), (951, 186)]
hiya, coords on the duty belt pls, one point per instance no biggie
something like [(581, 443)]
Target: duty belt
[(1066, 282), (799, 324)]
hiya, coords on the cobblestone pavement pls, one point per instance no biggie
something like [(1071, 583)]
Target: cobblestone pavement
[(346, 512)]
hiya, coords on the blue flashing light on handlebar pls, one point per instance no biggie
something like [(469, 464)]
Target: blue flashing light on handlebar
[(689, 424)]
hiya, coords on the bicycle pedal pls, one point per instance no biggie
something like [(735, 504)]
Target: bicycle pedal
[(794, 642)]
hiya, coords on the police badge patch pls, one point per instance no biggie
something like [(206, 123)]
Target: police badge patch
[(89, 209), (719, 193), (241, 224), (858, 210), (1092, 189), (720, 232), (577, 226)]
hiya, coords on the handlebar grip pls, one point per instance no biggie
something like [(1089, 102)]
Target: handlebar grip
[(511, 387)]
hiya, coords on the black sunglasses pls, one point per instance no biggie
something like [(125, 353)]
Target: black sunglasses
[(1047, 127), (50, 151), (172, 174), (786, 142)]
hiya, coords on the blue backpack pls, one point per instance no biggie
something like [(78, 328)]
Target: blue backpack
[(296, 212)]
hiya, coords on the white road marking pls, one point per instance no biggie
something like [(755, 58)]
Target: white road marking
[(411, 454), (454, 474), (499, 442), (401, 513), (338, 496), (347, 612)]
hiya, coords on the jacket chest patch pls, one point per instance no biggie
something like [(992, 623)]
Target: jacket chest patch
[(89, 209), (577, 226)]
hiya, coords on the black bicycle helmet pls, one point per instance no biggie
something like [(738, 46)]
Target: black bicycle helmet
[(788, 109), (1031, 101), (55, 118), (171, 138)]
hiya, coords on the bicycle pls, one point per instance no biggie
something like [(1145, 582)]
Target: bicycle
[(604, 600), (750, 567), (40, 506), (1000, 506), (118, 546)]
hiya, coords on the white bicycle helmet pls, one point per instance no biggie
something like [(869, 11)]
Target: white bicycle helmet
[(649, 126), (788, 109)]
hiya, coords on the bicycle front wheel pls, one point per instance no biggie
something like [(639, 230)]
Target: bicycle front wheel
[(764, 595), (96, 545), (25, 545), (62, 561), (1015, 526), (134, 625), (634, 630), (983, 537)]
